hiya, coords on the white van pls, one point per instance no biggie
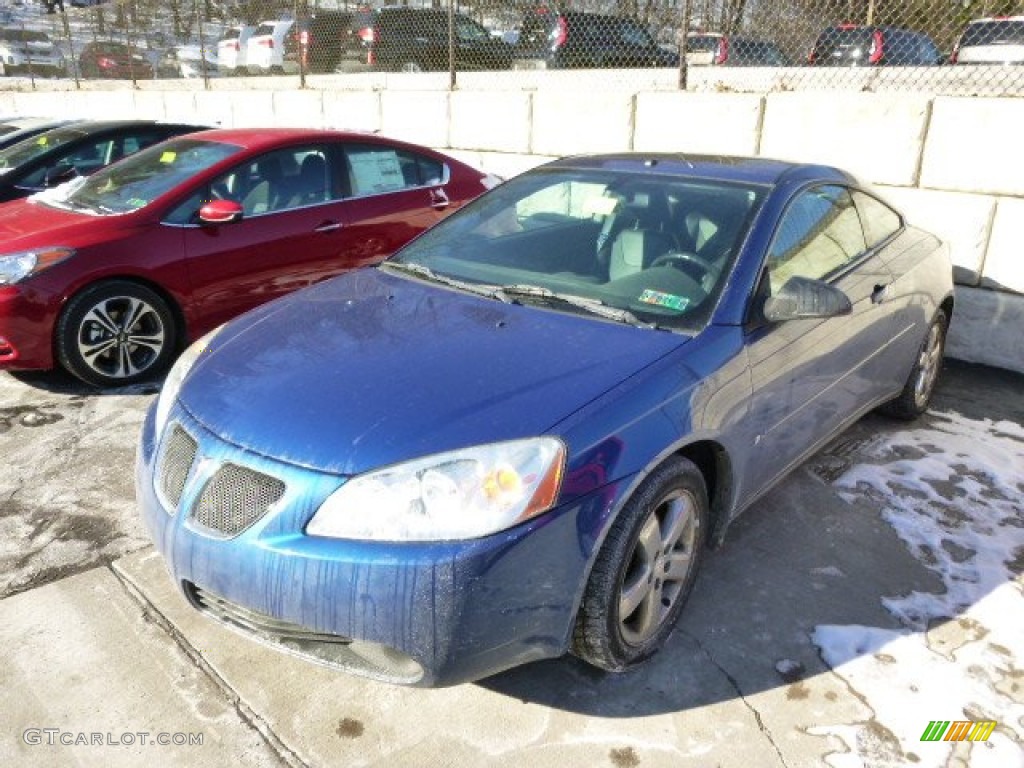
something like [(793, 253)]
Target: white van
[(265, 50)]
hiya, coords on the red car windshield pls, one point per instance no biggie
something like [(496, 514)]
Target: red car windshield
[(138, 180)]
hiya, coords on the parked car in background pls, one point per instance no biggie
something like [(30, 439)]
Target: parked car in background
[(232, 49), (28, 50), (551, 40), (109, 59), (707, 48), (109, 276), (850, 45), (416, 39), (15, 129), (517, 436), (991, 41), (316, 42), (265, 48), (78, 149), (187, 61)]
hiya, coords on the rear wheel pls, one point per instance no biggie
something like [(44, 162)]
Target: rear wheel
[(917, 392), (645, 570), (116, 333)]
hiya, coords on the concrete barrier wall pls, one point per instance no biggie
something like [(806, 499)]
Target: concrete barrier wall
[(953, 165)]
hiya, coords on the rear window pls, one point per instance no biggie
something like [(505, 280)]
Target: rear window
[(264, 29), (231, 34), (702, 42), (1004, 32), (838, 37)]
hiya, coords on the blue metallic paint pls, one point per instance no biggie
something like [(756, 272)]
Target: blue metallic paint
[(413, 369)]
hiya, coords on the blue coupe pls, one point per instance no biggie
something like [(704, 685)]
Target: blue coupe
[(517, 437)]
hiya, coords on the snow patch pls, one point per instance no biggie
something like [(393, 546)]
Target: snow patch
[(953, 493)]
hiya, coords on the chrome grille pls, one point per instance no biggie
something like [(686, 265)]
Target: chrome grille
[(179, 451), (235, 498)]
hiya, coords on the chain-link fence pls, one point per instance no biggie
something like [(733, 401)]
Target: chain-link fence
[(947, 46)]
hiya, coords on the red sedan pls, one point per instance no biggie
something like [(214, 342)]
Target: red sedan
[(110, 276)]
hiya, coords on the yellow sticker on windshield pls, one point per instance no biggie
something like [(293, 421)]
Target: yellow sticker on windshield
[(168, 157), (42, 141)]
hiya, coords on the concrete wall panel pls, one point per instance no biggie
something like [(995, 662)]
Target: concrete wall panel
[(418, 116), (698, 123), (352, 110), (974, 145), (570, 123), (986, 328), (876, 136), (491, 120), (1004, 263)]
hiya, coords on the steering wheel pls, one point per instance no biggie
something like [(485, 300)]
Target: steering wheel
[(681, 259)]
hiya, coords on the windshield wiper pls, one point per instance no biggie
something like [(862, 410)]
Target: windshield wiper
[(518, 292), (481, 289)]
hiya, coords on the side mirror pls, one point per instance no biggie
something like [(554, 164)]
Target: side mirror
[(802, 297), (59, 174), (220, 212)]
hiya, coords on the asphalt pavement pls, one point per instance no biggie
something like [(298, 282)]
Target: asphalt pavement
[(830, 629)]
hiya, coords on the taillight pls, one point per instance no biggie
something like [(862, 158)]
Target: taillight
[(266, 42), (811, 57), (722, 53), (561, 33), (106, 63), (236, 46), (955, 54), (304, 37), (877, 45), (368, 35)]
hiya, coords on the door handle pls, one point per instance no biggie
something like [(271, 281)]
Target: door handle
[(329, 226), (438, 199), (880, 294)]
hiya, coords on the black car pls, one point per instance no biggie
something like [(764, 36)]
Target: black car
[(316, 42), (79, 149), (20, 128), (416, 39), (550, 40), (850, 45)]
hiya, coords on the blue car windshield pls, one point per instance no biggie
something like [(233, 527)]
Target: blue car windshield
[(659, 249)]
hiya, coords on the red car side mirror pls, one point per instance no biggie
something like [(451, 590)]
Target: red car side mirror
[(220, 212)]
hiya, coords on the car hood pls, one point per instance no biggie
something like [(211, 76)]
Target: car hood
[(33, 222), (370, 369)]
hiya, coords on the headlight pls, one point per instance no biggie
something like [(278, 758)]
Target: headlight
[(176, 376), (18, 266), (462, 494)]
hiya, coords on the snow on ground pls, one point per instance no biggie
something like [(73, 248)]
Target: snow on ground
[(960, 656)]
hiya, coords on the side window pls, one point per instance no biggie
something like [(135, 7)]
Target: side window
[(819, 235), (878, 219), (278, 181), (377, 169)]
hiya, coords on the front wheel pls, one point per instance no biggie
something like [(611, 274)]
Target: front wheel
[(645, 569), (116, 333), (917, 392)]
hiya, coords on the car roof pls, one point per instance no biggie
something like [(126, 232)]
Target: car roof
[(752, 170), (97, 126), (260, 138)]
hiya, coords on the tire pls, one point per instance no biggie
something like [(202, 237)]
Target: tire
[(411, 66), (94, 344), (917, 392), (645, 570)]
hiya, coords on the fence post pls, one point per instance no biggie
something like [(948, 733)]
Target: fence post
[(73, 63), (451, 45), (684, 31)]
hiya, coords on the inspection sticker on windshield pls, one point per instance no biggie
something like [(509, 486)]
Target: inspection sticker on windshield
[(678, 303), (168, 157)]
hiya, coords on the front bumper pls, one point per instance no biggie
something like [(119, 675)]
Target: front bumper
[(424, 614), (26, 329)]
